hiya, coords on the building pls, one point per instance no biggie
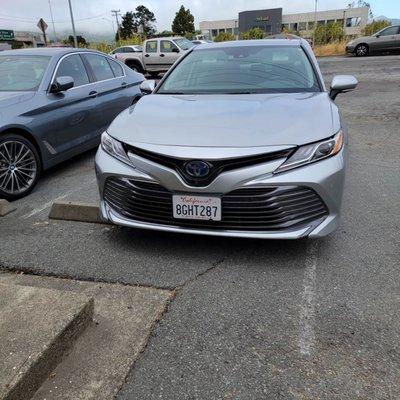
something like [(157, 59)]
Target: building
[(273, 21), (18, 39)]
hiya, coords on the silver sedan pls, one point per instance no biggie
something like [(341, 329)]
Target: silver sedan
[(238, 139)]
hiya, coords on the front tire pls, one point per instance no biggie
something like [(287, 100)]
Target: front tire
[(20, 166), (362, 50)]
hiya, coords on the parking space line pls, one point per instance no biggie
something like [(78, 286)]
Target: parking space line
[(307, 311), (50, 203)]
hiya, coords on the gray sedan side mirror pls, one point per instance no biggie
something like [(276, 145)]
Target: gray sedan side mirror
[(61, 84), (342, 84), (148, 86)]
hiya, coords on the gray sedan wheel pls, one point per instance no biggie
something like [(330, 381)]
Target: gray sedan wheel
[(362, 50), (19, 166)]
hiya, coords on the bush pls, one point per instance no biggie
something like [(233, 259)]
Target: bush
[(330, 33), (255, 33), (374, 27), (224, 37)]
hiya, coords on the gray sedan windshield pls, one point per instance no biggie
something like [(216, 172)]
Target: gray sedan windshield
[(21, 73), (247, 69)]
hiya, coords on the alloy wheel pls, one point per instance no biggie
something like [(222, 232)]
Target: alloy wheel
[(362, 50), (18, 167)]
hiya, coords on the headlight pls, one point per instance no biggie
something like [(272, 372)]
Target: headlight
[(313, 152), (114, 148)]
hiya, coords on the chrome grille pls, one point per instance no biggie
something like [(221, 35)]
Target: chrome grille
[(275, 208)]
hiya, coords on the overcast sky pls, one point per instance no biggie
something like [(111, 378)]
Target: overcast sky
[(95, 15)]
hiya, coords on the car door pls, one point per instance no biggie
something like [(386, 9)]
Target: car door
[(386, 39), (396, 44), (169, 53), (151, 55), (70, 117), (110, 84)]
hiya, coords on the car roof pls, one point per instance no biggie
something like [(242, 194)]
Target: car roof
[(248, 43), (46, 51)]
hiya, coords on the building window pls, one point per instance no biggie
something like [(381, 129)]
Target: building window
[(310, 25), (294, 26), (352, 22), (214, 32), (229, 30), (222, 31), (321, 22), (302, 26), (285, 27), (330, 21)]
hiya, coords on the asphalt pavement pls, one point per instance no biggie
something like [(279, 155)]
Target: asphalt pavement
[(253, 319)]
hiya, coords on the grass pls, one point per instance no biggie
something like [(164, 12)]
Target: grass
[(331, 49)]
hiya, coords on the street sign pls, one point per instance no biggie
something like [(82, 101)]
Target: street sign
[(6, 34), (42, 25)]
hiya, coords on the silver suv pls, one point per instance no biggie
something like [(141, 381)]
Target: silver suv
[(386, 40)]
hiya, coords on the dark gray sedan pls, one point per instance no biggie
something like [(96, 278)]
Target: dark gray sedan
[(54, 104)]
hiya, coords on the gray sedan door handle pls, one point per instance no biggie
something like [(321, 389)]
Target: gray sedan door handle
[(124, 84), (93, 93)]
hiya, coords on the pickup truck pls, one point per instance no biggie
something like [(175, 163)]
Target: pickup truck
[(157, 55)]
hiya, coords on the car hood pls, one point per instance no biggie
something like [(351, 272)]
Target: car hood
[(226, 120), (361, 39), (8, 99)]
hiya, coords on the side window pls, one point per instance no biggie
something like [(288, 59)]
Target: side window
[(128, 50), (100, 66), (166, 46), (151, 46), (116, 68), (73, 66), (392, 30)]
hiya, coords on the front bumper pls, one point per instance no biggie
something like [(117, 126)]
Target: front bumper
[(350, 49), (326, 178)]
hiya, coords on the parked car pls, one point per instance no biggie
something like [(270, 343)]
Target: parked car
[(201, 41), (54, 104), (158, 54), (238, 139), (384, 41), (123, 53)]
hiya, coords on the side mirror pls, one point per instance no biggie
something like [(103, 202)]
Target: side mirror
[(148, 86), (175, 50), (378, 35), (342, 84), (61, 84)]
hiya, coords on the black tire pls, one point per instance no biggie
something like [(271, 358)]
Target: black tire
[(134, 66), (362, 50), (20, 154)]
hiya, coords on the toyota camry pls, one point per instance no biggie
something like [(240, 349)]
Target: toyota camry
[(238, 139)]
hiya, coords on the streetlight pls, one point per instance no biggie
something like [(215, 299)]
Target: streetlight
[(73, 24)]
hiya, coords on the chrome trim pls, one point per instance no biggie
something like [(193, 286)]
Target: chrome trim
[(90, 83)]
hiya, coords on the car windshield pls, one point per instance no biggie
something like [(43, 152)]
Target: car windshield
[(245, 69), (21, 73), (183, 43)]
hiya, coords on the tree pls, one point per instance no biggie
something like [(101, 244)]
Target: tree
[(224, 37), (254, 33), (144, 20), (127, 27), (375, 26), (329, 33), (183, 22), (80, 39)]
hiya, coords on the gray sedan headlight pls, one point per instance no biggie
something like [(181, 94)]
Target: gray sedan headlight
[(114, 148), (313, 152)]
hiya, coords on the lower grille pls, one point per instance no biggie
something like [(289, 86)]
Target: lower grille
[(276, 208)]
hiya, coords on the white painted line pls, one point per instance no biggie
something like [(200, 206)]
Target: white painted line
[(46, 205), (50, 203), (307, 310)]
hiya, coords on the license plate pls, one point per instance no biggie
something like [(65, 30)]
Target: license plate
[(197, 207)]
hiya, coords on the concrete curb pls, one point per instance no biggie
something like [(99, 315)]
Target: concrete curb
[(42, 360), (70, 211), (5, 208)]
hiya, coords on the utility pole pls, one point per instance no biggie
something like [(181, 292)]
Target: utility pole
[(52, 21), (315, 20), (73, 24), (116, 14)]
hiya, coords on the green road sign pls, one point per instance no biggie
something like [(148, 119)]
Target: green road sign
[(6, 34)]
